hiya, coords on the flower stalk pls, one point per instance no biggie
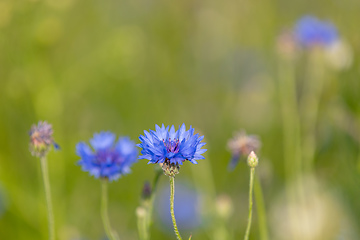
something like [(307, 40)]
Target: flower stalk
[(172, 193), (252, 174), (45, 174), (104, 211), (252, 162), (144, 212)]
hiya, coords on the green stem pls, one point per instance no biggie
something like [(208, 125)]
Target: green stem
[(259, 198), (151, 205), (291, 136), (45, 174), (290, 120), (311, 101), (172, 193), (247, 233), (104, 211), (141, 223)]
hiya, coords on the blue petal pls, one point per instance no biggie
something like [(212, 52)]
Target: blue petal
[(125, 146), (102, 140), (56, 146), (84, 151)]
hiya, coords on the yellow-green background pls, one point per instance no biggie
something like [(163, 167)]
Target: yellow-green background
[(124, 66)]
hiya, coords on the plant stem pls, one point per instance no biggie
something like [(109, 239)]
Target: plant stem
[(45, 174), (172, 193), (104, 211), (252, 173), (310, 103), (151, 205), (141, 223), (259, 198), (291, 137), (144, 212)]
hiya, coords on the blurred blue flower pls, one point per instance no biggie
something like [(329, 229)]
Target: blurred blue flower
[(41, 139), (310, 31), (173, 147), (109, 160)]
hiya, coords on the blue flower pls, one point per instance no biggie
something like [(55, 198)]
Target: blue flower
[(310, 31), (41, 139), (171, 147), (108, 160)]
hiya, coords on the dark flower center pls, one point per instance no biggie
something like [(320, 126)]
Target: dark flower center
[(106, 156), (172, 145)]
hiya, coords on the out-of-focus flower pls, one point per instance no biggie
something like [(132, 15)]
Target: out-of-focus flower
[(310, 31), (224, 206), (286, 45), (41, 139), (339, 55), (319, 216), (242, 145), (171, 148), (110, 160), (146, 191)]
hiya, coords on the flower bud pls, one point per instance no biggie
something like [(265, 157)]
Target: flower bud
[(252, 160), (146, 192), (170, 169)]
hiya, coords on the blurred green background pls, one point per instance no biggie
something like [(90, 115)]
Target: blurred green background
[(124, 66)]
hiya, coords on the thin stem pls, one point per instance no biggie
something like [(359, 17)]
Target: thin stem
[(145, 211), (45, 174), (172, 193), (293, 163), (104, 211), (151, 205), (247, 233), (141, 223), (311, 102), (259, 198)]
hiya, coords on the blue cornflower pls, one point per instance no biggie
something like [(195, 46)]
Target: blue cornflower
[(170, 146), (41, 139), (109, 160), (310, 31)]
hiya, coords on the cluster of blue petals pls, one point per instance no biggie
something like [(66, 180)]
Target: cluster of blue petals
[(310, 31), (164, 145), (109, 159)]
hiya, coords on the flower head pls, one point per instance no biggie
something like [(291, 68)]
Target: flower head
[(252, 160), (171, 147), (109, 160), (242, 145), (310, 31), (41, 139)]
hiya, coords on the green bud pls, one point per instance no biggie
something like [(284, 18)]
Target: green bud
[(170, 169), (252, 160)]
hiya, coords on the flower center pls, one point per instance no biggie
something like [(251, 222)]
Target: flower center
[(172, 145), (106, 156)]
